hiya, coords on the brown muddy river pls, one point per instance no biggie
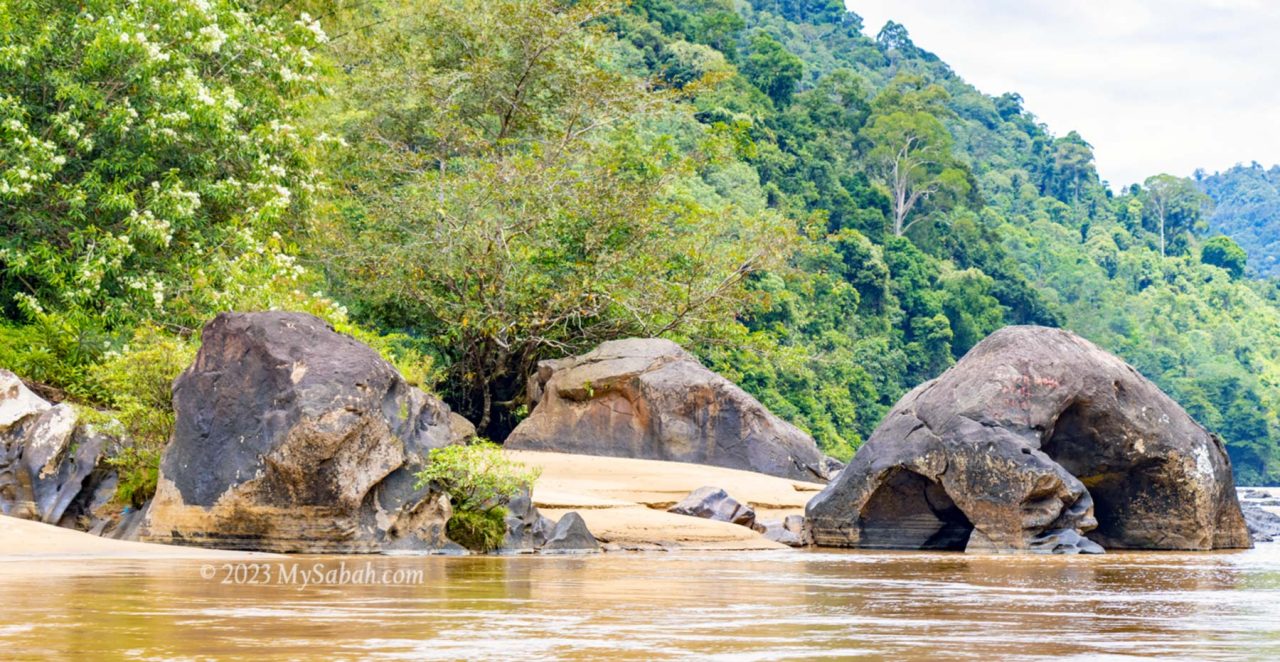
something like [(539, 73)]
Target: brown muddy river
[(753, 606)]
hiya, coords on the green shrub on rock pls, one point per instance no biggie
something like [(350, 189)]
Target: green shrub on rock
[(481, 480)]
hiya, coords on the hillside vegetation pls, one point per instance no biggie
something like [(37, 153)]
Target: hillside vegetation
[(1246, 207), (825, 217)]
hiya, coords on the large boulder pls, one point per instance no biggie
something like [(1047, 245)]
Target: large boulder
[(290, 437), (1034, 440), (650, 399)]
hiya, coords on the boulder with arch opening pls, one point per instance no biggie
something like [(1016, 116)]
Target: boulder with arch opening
[(1035, 441)]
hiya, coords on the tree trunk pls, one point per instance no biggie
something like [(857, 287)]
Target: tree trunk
[(1162, 236), (486, 405)]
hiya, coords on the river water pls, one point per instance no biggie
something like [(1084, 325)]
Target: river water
[(755, 606)]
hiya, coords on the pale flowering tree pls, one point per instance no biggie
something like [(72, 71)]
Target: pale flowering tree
[(146, 156)]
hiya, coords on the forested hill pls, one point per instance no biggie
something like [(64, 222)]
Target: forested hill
[(1246, 207), (825, 217), (1013, 226)]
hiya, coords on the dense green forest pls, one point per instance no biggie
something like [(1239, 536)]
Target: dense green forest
[(825, 217), (1246, 207)]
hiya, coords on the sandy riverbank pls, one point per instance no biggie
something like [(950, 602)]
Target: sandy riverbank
[(624, 500), (26, 540)]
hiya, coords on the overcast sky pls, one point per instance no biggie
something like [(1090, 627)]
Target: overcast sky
[(1154, 85)]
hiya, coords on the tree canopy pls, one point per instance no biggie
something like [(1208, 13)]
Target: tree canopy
[(825, 218)]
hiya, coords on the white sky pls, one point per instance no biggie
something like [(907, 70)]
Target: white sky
[(1154, 85)]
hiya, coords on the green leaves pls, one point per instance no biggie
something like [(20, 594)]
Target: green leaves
[(139, 145), (478, 477), (1220, 251), (549, 204), (909, 151), (772, 68)]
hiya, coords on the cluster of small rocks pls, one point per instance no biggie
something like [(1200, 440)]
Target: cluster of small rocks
[(529, 531)]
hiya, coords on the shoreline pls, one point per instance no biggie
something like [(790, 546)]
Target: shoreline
[(25, 540), (622, 500)]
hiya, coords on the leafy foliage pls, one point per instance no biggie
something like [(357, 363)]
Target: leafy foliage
[(825, 218), (528, 200), (146, 151), (1220, 251), (481, 480), (478, 476), (1247, 208)]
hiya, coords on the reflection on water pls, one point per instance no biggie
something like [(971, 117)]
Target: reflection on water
[(758, 605)]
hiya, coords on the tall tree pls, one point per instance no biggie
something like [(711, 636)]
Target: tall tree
[(523, 201), (1072, 168), (1172, 205), (909, 150)]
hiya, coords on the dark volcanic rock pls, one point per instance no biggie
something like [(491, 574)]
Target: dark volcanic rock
[(291, 437), (716, 504), (650, 399), (1034, 438), (571, 537)]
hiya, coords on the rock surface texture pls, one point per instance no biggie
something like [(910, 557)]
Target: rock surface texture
[(290, 437), (1034, 440), (51, 464), (527, 528), (650, 399)]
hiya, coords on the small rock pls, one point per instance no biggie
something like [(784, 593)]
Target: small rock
[(1065, 541), (527, 529), (715, 504), (790, 531), (571, 537)]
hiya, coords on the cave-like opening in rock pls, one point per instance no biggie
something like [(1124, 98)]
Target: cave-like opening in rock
[(1126, 497), (909, 511)]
